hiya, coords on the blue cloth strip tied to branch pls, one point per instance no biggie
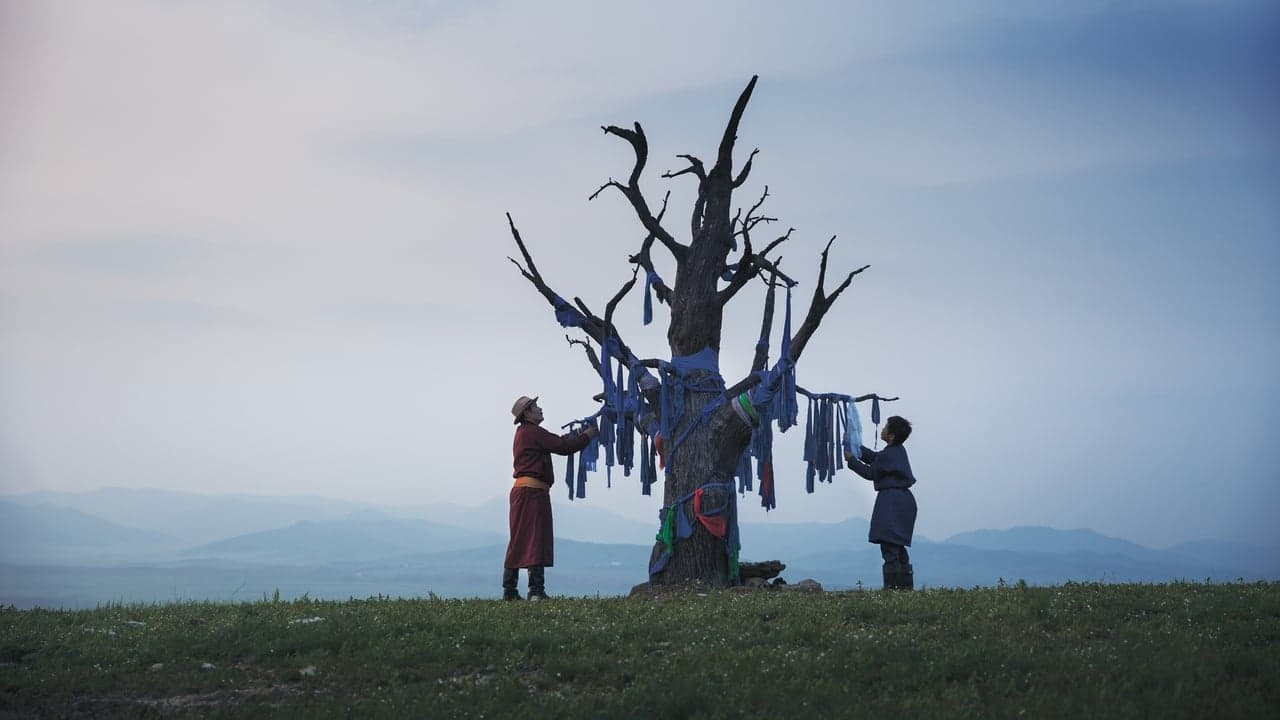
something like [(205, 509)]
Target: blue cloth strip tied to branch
[(826, 435), (644, 419), (744, 472), (587, 458), (648, 465), (675, 383), (875, 418), (629, 408), (773, 398), (568, 315), (608, 413), (569, 474), (651, 280), (761, 448), (623, 410), (785, 408)]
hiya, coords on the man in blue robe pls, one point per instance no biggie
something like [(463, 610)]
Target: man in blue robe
[(893, 520)]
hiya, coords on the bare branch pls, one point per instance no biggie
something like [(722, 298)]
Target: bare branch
[(783, 238), (695, 167), (747, 269), (752, 220), (766, 329), (617, 298), (591, 353), (832, 297), (724, 158), (822, 268), (602, 188), (758, 203), (524, 251), (520, 268), (632, 189), (644, 260), (860, 398), (678, 173), (870, 396), (746, 170), (772, 266), (638, 142), (592, 325), (699, 205), (820, 304), (751, 265)]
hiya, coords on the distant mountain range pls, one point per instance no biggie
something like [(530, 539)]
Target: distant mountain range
[(363, 536), (116, 545), (45, 532)]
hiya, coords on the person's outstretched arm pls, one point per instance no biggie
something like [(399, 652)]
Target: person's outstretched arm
[(562, 444), (865, 470), (890, 461)]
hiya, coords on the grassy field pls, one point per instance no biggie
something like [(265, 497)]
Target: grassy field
[(1080, 650)]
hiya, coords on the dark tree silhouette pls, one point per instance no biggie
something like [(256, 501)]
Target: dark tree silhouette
[(711, 443)]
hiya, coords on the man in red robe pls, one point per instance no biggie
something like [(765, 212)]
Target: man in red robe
[(532, 543)]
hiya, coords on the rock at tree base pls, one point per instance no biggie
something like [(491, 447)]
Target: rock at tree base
[(808, 585), (767, 570), (754, 577)]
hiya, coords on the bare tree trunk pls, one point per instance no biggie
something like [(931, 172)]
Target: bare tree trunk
[(708, 455)]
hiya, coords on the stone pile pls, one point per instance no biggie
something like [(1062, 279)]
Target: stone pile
[(767, 576), (754, 576)]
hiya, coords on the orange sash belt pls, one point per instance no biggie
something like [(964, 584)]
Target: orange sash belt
[(531, 482)]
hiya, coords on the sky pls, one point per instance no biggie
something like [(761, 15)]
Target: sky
[(262, 247)]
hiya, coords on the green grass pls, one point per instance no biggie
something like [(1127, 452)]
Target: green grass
[(1081, 650)]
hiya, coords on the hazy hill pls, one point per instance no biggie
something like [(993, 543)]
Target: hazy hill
[(364, 536), (1208, 558), (1028, 538), (1257, 559), (949, 565), (328, 548), (766, 541), (581, 569), (574, 520), (44, 534), (196, 519), (192, 518)]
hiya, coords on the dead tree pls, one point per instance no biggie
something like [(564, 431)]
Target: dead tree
[(712, 442)]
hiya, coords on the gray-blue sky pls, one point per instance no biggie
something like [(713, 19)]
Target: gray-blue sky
[(261, 247)]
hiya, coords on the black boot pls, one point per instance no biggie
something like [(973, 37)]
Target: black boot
[(906, 577), (510, 576), (890, 576), (537, 583)]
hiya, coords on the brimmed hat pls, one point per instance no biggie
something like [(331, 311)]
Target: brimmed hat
[(521, 405)]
